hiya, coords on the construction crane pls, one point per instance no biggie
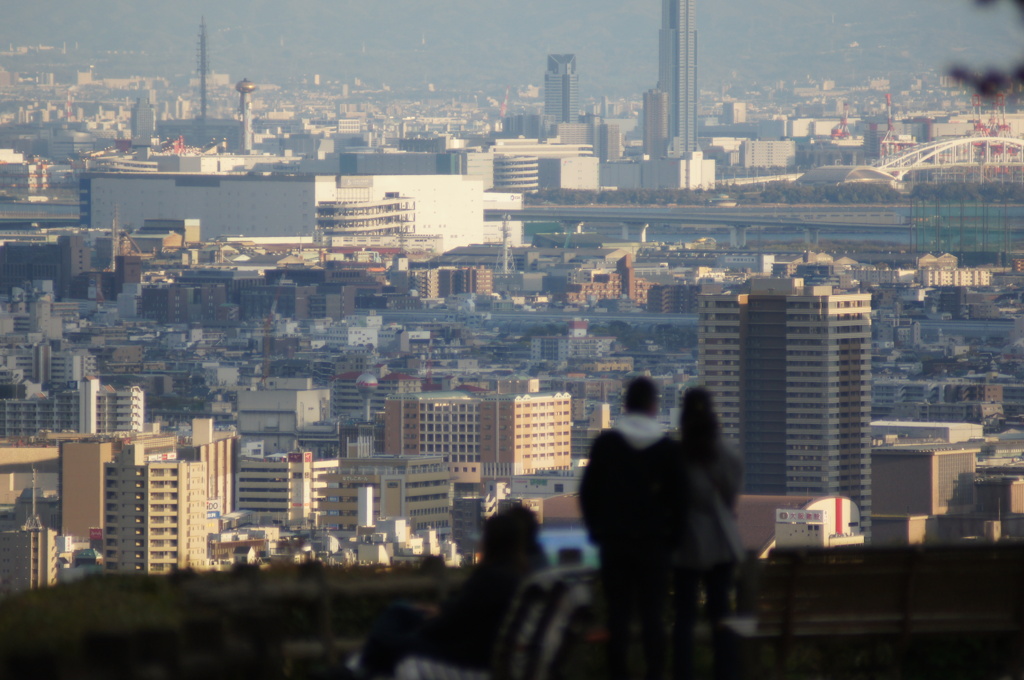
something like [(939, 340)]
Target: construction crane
[(980, 129), (126, 245), (842, 131)]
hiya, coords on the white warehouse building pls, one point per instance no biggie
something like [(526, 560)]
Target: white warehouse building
[(449, 207)]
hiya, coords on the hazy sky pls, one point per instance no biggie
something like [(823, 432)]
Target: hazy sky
[(490, 43)]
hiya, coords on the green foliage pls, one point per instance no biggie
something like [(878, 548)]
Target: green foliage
[(544, 329), (974, 192), (57, 619), (668, 337)]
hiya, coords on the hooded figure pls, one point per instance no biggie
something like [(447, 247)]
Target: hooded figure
[(629, 504)]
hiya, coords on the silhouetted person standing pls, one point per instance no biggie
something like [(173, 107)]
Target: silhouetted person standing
[(626, 496), (709, 546)]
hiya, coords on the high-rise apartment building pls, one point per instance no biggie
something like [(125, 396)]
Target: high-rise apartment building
[(607, 142), (155, 512), (790, 368), (28, 557), (655, 123), (677, 71), (561, 89), (523, 433)]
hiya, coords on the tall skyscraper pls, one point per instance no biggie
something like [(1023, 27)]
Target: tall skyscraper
[(143, 120), (561, 89), (790, 368), (677, 71)]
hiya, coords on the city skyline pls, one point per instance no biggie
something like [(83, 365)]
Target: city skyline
[(476, 48)]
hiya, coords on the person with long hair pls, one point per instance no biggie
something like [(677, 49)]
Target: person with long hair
[(709, 547)]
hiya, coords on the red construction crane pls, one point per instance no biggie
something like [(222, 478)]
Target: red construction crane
[(980, 129), (842, 131)]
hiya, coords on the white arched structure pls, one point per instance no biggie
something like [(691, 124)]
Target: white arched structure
[(986, 157)]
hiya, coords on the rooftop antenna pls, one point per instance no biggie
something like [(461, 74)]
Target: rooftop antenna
[(506, 255), (204, 68), (33, 523)]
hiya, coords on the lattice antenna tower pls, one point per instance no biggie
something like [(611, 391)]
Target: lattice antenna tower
[(505, 264), (33, 523), (203, 65), (115, 237)]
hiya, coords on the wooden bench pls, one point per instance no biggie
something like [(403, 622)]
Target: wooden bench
[(897, 594)]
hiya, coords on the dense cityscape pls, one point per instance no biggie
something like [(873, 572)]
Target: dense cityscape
[(330, 320)]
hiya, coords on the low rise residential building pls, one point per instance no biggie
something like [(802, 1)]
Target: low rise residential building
[(968, 278), (282, 488), (418, 488)]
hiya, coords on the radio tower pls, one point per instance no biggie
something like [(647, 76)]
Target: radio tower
[(505, 265), (204, 68)]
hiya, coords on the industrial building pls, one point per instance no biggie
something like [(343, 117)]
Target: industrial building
[(447, 208)]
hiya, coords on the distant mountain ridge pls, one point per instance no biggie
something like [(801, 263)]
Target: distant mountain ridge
[(487, 44)]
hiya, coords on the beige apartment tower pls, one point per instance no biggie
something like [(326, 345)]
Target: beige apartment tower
[(523, 433), (155, 513), (790, 369)]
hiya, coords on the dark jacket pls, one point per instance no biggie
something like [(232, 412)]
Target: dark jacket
[(628, 492), (466, 629)]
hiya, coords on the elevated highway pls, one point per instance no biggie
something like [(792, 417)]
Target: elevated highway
[(981, 328), (738, 220)]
